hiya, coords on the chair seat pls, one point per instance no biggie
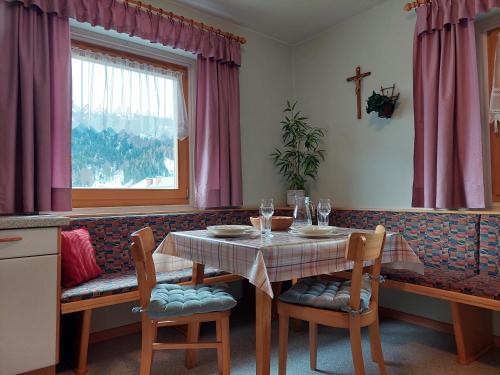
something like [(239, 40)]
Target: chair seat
[(121, 282), (481, 286), (326, 294), (432, 277), (170, 300)]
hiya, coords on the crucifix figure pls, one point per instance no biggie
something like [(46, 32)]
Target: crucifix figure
[(357, 80)]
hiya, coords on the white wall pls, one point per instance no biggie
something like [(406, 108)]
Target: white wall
[(369, 161)]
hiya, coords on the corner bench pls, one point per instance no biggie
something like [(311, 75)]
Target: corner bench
[(460, 251), (118, 284)]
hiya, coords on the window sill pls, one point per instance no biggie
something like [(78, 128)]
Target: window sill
[(125, 210), (136, 210)]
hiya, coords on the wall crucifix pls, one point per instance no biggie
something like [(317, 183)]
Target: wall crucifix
[(357, 80)]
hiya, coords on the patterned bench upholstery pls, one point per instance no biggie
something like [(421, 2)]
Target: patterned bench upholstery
[(487, 283), (446, 243), (489, 245), (109, 284), (110, 237)]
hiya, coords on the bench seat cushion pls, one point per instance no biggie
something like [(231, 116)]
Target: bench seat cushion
[(480, 286), (121, 282), (432, 277), (170, 300)]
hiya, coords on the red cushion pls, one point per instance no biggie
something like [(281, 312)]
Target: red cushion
[(78, 262)]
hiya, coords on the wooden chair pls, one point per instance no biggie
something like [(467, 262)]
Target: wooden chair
[(360, 247), (142, 247)]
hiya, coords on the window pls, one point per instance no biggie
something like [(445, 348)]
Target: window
[(129, 140), (494, 133)]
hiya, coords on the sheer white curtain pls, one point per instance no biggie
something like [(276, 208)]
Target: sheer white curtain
[(117, 93), (494, 115)]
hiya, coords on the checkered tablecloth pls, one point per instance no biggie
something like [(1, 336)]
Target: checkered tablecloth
[(282, 257)]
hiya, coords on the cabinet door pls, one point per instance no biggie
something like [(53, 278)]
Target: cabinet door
[(28, 313)]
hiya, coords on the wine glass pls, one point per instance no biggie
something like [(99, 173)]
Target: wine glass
[(324, 209), (266, 214)]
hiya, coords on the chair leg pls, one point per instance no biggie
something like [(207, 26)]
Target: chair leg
[(193, 332), (226, 346), (356, 348), (313, 344), (83, 344), (148, 333), (376, 346), (283, 343), (220, 353)]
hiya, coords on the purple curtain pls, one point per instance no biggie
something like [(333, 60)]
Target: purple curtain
[(217, 143), (35, 108), (124, 18), (217, 147), (448, 163)]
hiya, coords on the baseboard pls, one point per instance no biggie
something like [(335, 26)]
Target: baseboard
[(112, 333), (129, 329), (423, 322), (415, 319), (51, 370)]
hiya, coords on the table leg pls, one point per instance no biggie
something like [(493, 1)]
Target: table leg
[(263, 304), (276, 292), (194, 328), (296, 323)]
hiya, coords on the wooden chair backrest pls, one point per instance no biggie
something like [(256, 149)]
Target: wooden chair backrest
[(143, 245), (363, 247)]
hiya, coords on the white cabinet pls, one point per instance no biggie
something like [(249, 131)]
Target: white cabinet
[(28, 300)]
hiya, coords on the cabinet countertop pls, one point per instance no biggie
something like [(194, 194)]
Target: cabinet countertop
[(35, 221)]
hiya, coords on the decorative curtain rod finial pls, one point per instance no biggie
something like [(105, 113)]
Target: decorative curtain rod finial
[(415, 4)]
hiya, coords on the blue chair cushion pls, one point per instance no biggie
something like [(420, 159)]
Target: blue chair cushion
[(170, 300), (327, 294)]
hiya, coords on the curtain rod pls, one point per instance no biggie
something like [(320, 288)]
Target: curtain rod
[(416, 4), (189, 21)]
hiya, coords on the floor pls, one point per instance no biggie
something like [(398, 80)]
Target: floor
[(408, 349)]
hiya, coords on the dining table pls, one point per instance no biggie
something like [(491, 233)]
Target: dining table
[(265, 260)]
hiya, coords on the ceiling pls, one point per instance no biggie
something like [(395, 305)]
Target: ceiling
[(290, 21)]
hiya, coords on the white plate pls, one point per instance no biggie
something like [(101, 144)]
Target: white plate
[(314, 230), (216, 233), (230, 229), (316, 235)]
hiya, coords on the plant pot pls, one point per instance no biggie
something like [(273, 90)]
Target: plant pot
[(387, 110), (291, 194)]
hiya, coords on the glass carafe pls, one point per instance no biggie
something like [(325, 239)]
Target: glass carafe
[(301, 212)]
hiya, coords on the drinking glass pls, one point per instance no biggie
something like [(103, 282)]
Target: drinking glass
[(324, 209), (266, 214)]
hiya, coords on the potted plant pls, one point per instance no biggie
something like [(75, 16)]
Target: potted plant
[(301, 154), (383, 103)]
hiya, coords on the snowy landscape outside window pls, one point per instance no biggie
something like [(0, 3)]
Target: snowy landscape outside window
[(128, 122), (127, 117)]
